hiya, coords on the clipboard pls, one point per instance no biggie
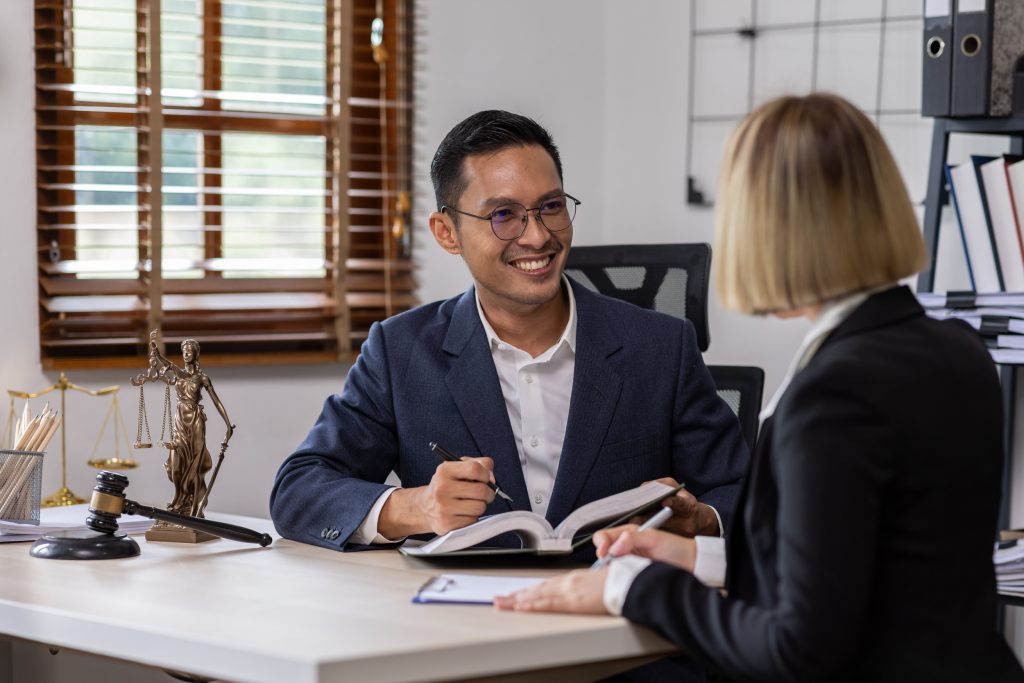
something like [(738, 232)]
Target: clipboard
[(470, 589)]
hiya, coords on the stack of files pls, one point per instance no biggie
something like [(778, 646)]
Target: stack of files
[(1009, 562), (998, 318), (988, 196), (64, 519)]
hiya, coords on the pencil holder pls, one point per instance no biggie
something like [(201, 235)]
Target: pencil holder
[(21, 475)]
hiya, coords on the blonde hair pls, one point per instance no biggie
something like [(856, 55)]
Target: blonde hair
[(811, 206)]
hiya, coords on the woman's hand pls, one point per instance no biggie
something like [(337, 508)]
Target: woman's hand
[(580, 592), (654, 544)]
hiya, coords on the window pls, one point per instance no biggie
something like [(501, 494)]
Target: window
[(253, 193)]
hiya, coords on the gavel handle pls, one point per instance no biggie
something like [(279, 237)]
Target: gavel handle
[(222, 529)]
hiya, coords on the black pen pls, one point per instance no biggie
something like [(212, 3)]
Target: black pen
[(446, 455)]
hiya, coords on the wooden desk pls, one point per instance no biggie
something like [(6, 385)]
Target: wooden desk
[(297, 613)]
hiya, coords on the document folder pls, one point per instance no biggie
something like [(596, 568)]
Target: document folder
[(937, 75), (988, 40)]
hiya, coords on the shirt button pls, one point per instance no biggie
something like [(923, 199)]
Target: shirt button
[(534, 442), (529, 379), (538, 499), (502, 347)]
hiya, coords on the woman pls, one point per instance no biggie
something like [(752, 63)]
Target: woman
[(862, 547)]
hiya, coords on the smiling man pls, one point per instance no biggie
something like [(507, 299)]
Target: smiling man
[(559, 394)]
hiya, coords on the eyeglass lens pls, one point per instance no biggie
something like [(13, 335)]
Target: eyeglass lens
[(509, 221)]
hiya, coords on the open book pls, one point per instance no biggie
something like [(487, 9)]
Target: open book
[(537, 534)]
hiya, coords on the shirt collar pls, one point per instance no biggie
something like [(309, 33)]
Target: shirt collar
[(831, 316), (568, 334)]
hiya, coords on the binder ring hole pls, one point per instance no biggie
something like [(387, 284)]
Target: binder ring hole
[(935, 47), (970, 45)]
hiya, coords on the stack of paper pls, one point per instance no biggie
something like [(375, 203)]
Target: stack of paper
[(1009, 561), (65, 518), (998, 318)]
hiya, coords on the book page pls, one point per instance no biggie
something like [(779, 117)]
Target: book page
[(607, 509), (530, 526)]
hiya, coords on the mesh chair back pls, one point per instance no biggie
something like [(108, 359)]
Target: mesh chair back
[(670, 278), (741, 387)]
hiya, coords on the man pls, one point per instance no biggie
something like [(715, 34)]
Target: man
[(561, 395)]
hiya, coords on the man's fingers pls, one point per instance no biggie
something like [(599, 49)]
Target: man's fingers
[(468, 469), (604, 539)]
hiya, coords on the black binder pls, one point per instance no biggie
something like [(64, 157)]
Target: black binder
[(937, 75), (988, 41), (972, 58)]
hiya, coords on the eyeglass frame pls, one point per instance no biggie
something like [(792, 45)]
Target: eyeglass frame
[(535, 211)]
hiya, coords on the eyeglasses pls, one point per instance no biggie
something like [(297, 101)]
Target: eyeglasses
[(509, 221)]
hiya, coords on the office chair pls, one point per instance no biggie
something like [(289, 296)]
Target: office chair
[(741, 387), (672, 279)]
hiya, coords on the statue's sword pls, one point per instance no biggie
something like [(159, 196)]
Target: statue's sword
[(216, 469)]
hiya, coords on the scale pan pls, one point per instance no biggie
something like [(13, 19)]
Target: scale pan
[(113, 463)]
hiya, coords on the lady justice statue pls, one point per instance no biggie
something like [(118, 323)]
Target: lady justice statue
[(188, 459)]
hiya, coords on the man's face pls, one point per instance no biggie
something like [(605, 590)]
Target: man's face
[(520, 273)]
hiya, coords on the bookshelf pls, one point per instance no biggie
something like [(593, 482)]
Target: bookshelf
[(936, 197)]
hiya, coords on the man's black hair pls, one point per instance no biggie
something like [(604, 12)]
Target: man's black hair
[(483, 133)]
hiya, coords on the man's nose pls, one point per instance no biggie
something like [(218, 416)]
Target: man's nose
[(535, 235)]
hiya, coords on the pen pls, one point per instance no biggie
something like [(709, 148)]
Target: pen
[(654, 522), (444, 454)]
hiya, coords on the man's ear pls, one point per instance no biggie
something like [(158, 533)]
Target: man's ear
[(444, 232)]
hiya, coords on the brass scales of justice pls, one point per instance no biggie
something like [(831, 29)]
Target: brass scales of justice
[(64, 495), (183, 434)]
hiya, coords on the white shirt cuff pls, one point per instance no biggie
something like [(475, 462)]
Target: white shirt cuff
[(621, 572), (721, 528), (367, 533), (709, 565)]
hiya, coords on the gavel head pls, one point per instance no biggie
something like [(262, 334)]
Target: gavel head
[(107, 502)]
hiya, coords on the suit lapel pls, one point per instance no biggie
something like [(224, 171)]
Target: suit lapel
[(595, 393), (473, 384)]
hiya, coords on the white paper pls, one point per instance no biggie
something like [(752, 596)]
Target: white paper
[(970, 6), (69, 517), (939, 8), (471, 588)]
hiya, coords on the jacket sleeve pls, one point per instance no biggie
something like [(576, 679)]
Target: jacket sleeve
[(709, 453), (325, 489), (831, 460)]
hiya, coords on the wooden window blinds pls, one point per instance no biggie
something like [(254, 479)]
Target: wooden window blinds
[(253, 193)]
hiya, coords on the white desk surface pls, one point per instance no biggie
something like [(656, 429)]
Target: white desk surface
[(290, 612)]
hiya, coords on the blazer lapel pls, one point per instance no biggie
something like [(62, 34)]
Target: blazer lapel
[(473, 384), (595, 392)]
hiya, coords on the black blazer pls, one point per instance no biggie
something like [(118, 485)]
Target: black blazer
[(862, 546)]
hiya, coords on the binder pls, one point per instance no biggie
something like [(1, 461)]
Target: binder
[(1003, 221), (972, 58), (972, 212), (988, 39), (937, 75)]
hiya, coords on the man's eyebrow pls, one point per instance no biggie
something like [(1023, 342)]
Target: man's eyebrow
[(499, 200)]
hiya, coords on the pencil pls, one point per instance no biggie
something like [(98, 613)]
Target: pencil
[(444, 454)]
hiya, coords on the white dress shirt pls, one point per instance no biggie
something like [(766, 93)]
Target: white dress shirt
[(710, 562), (537, 393)]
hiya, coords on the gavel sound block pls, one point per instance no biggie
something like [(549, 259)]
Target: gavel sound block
[(102, 540)]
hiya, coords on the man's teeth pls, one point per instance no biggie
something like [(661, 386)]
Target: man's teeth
[(532, 265)]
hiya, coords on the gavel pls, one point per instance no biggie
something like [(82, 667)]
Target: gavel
[(101, 540), (109, 502)]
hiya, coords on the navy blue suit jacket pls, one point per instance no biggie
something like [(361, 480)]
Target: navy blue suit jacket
[(643, 406)]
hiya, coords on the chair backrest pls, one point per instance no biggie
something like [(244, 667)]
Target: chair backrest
[(671, 278), (741, 387)]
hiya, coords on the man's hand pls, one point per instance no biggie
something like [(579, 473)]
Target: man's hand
[(689, 517), (455, 497)]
